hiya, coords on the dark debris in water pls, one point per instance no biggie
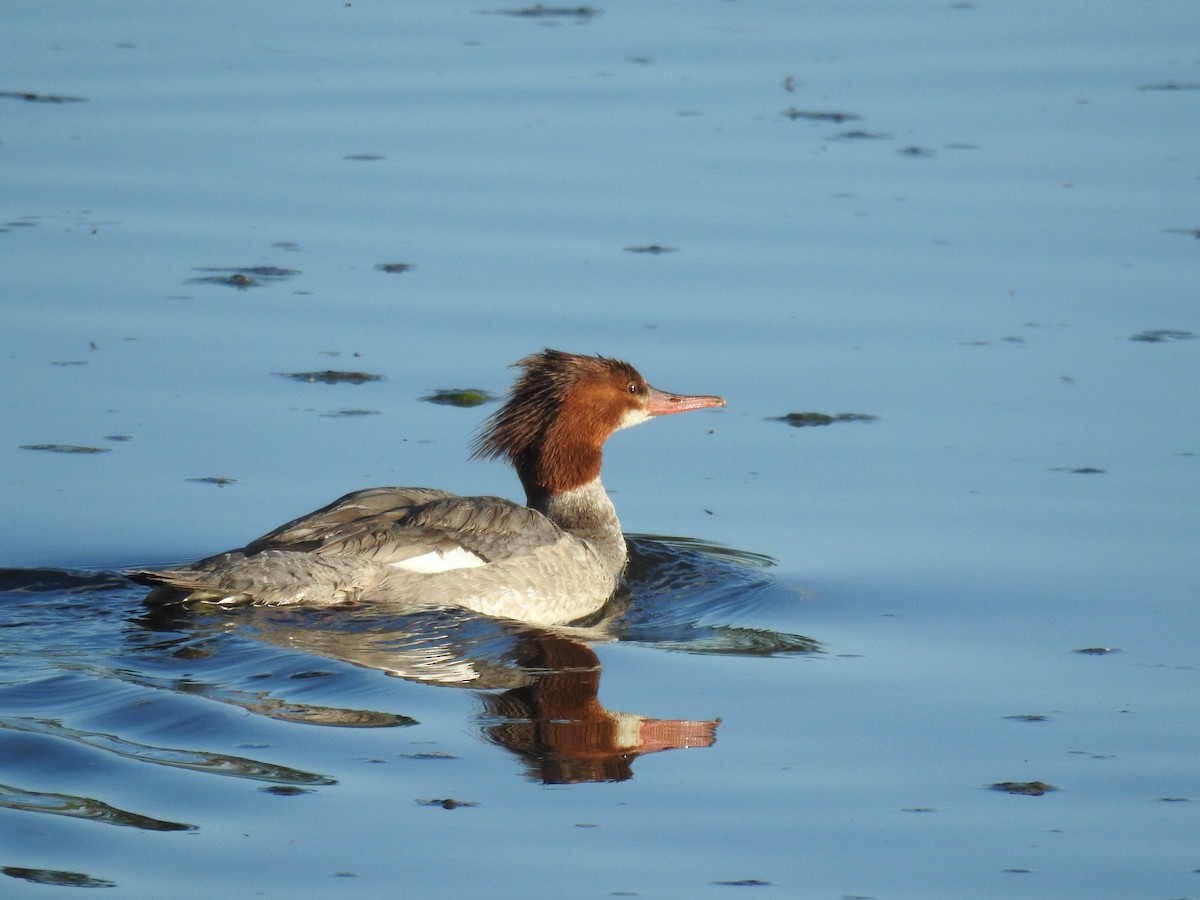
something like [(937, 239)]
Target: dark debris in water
[(858, 134), (1162, 335), (286, 790), (218, 480), (464, 397), (538, 11), (810, 115), (1090, 755), (237, 280), (364, 157), (1025, 788), (349, 413), (448, 803), (66, 448), (916, 151), (1097, 651), (743, 882), (1028, 717), (1080, 470), (811, 419), (331, 376), (652, 249), (56, 877), (1190, 232), (242, 277), (1011, 339), (1171, 86), (394, 268), (31, 97)]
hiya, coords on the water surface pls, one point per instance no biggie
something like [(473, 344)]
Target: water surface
[(974, 223)]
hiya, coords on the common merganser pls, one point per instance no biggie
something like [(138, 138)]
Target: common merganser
[(553, 561)]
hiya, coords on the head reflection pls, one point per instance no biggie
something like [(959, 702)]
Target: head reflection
[(562, 732)]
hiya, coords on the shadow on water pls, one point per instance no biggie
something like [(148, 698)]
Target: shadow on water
[(83, 645)]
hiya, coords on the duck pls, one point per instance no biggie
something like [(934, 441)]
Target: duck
[(555, 560)]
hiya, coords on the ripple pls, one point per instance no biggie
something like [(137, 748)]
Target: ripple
[(196, 760), (261, 703), (689, 595), (97, 670), (58, 581), (82, 808)]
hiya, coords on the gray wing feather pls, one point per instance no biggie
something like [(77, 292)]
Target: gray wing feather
[(389, 525)]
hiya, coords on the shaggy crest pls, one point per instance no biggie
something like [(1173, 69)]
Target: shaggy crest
[(553, 383)]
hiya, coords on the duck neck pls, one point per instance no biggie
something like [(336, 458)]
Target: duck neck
[(586, 512)]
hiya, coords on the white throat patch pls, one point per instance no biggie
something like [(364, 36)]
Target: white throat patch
[(633, 417)]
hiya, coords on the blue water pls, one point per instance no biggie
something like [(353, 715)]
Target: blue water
[(953, 217)]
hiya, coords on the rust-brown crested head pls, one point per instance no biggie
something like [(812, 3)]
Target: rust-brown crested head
[(559, 413)]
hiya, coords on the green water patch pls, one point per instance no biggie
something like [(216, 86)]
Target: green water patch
[(349, 413), (463, 397), (331, 376)]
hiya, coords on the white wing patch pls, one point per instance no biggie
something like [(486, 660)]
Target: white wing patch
[(437, 561)]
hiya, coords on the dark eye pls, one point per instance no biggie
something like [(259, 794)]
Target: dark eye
[(633, 387)]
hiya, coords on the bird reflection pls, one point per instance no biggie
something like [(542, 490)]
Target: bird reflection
[(558, 726), (538, 687)]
